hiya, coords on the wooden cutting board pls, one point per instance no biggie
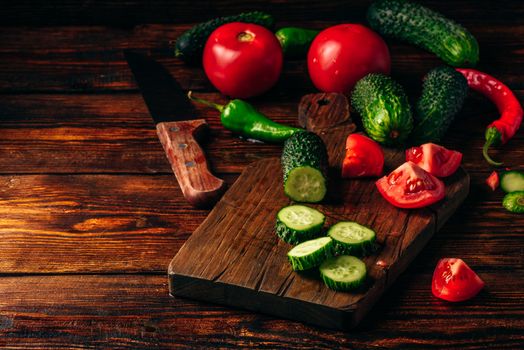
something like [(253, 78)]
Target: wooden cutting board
[(235, 258)]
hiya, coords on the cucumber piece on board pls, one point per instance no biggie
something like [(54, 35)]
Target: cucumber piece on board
[(304, 165), (343, 273), (351, 238), (298, 223), (514, 202), (310, 253)]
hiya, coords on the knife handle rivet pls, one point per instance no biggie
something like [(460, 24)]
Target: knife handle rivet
[(190, 164), (174, 128), (182, 145)]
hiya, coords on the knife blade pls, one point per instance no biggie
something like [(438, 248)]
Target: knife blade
[(177, 129)]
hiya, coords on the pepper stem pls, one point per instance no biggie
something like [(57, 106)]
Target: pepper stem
[(218, 107), (492, 137)]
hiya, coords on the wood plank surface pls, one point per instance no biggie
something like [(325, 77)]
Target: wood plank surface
[(85, 186), (130, 311)]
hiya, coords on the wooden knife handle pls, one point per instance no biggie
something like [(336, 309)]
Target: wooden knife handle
[(179, 139)]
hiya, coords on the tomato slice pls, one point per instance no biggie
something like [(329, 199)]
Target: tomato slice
[(364, 157), (493, 181), (410, 186), (454, 280), (435, 159)]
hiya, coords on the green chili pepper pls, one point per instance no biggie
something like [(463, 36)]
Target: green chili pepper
[(242, 118), (295, 41)]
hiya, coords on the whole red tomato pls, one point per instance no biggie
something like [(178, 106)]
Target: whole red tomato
[(343, 54), (242, 59)]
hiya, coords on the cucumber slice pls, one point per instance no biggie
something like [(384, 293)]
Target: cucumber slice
[(351, 238), (298, 223), (514, 202), (343, 273), (305, 184), (512, 181), (310, 253)]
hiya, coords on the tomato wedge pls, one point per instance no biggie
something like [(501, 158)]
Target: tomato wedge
[(493, 181), (454, 280), (410, 186), (364, 157), (435, 159)]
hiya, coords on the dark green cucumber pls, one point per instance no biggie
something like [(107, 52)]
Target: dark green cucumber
[(443, 95), (295, 41), (310, 253), (514, 202), (426, 28), (190, 45), (384, 108), (511, 181), (351, 238), (298, 223), (304, 165), (343, 273)]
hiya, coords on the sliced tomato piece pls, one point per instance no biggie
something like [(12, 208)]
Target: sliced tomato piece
[(435, 159), (493, 181), (364, 157), (454, 280), (410, 186)]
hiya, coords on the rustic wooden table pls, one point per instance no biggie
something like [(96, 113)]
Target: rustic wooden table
[(91, 215)]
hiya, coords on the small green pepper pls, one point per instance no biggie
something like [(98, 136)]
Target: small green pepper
[(295, 41), (242, 118)]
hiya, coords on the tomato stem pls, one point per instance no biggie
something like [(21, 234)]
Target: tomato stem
[(218, 107)]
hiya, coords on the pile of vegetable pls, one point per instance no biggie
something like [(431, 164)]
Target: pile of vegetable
[(335, 254), (243, 58)]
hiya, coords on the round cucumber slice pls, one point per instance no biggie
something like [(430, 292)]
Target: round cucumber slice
[(351, 238), (514, 202), (512, 181), (305, 184), (310, 253), (298, 223), (343, 273)]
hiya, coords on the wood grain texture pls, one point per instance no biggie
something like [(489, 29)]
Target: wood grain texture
[(86, 187), (180, 141), (235, 258), (129, 311)]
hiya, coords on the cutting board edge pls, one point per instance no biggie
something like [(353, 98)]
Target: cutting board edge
[(267, 303)]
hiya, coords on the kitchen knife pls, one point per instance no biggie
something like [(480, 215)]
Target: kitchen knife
[(177, 129)]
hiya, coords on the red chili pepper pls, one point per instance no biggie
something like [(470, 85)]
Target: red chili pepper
[(503, 129)]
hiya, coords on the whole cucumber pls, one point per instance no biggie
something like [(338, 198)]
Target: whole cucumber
[(384, 108), (190, 45), (443, 94), (426, 28), (295, 41)]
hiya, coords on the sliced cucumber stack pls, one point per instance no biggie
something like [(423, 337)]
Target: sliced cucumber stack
[(514, 202), (512, 181), (310, 253), (298, 223), (343, 273), (351, 238)]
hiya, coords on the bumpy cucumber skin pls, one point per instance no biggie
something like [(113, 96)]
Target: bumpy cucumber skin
[(514, 202), (292, 236), (304, 148), (443, 95), (384, 108), (312, 260), (190, 45), (342, 286), (426, 28), (509, 185), (356, 249)]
